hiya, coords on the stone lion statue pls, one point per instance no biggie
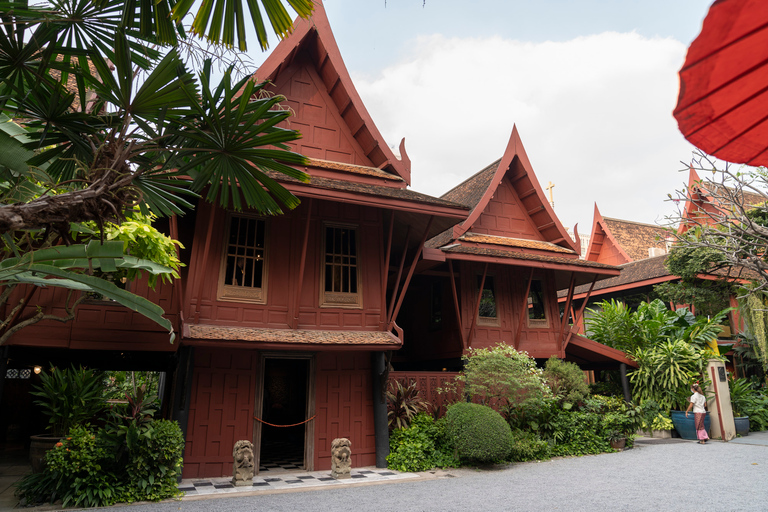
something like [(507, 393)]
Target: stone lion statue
[(341, 458), (242, 471)]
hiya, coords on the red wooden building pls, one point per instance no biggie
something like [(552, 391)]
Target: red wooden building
[(494, 277), (289, 320)]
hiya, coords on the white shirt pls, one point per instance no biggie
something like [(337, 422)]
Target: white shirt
[(698, 400)]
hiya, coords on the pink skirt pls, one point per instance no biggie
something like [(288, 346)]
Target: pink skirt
[(701, 432)]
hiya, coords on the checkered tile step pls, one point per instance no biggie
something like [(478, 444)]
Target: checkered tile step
[(292, 480)]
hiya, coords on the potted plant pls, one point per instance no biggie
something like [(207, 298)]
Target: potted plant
[(617, 438), (741, 397), (67, 397)]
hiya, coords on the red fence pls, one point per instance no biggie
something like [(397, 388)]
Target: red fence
[(428, 384)]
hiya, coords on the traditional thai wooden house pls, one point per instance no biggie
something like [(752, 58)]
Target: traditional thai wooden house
[(494, 277), (287, 316), (284, 320)]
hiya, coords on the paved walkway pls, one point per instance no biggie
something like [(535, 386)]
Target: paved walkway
[(658, 474)]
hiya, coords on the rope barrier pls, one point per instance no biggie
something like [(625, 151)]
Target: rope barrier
[(294, 425)]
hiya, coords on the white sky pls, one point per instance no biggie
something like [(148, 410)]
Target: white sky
[(590, 84)]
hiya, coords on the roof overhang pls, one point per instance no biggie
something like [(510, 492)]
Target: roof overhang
[(287, 339), (589, 354)]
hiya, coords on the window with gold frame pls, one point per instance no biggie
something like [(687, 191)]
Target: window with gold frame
[(340, 274), (243, 273)]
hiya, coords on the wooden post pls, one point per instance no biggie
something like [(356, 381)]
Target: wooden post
[(456, 302), (564, 321), (581, 312), (385, 270), (399, 274), (200, 274), (524, 311), (300, 284), (476, 312), (393, 316)]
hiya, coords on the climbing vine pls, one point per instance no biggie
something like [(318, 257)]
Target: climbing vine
[(754, 308)]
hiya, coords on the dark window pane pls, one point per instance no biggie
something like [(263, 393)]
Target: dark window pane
[(487, 307), (536, 309)]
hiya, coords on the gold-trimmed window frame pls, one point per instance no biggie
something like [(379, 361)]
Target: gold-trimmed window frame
[(234, 293), (332, 299)]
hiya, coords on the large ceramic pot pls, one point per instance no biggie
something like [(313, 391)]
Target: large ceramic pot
[(742, 425), (38, 446), (686, 427)]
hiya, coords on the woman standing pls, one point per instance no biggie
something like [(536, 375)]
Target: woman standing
[(698, 400)]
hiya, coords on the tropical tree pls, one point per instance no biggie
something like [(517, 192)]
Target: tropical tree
[(100, 115), (613, 324)]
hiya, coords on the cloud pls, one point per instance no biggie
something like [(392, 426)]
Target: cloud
[(594, 114)]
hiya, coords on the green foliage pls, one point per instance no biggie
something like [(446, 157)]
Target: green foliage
[(403, 404), (132, 458), (749, 400), (80, 471), (527, 446), (118, 384), (421, 446), (501, 375), (753, 305), (566, 380), (614, 325), (69, 397), (480, 434), (153, 460), (689, 261), (582, 433), (666, 372), (142, 240), (706, 296)]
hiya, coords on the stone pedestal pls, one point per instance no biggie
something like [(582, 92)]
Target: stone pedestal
[(242, 468), (341, 458)]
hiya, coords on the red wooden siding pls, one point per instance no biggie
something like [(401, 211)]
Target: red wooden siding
[(221, 410), (284, 243), (344, 406), (505, 215), (325, 134), (98, 325)]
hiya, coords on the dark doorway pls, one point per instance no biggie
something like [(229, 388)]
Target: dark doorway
[(284, 403)]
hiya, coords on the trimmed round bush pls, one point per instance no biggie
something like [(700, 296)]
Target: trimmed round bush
[(480, 434)]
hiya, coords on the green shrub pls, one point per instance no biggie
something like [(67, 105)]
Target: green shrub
[(480, 434), (69, 397), (566, 380), (527, 446), (501, 375), (154, 461), (666, 372), (79, 471), (579, 433), (422, 446), (132, 458)]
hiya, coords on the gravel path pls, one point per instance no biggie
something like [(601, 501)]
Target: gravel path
[(678, 475)]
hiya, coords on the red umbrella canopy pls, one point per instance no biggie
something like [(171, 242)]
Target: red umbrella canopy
[(723, 104)]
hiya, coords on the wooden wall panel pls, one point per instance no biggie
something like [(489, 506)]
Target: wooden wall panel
[(325, 134), (221, 410), (505, 215), (344, 406), (284, 245)]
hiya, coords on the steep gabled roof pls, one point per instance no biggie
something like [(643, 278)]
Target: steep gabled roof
[(313, 40), (623, 239), (706, 196), (515, 169)]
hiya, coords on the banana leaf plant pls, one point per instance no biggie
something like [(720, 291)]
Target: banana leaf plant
[(66, 266)]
